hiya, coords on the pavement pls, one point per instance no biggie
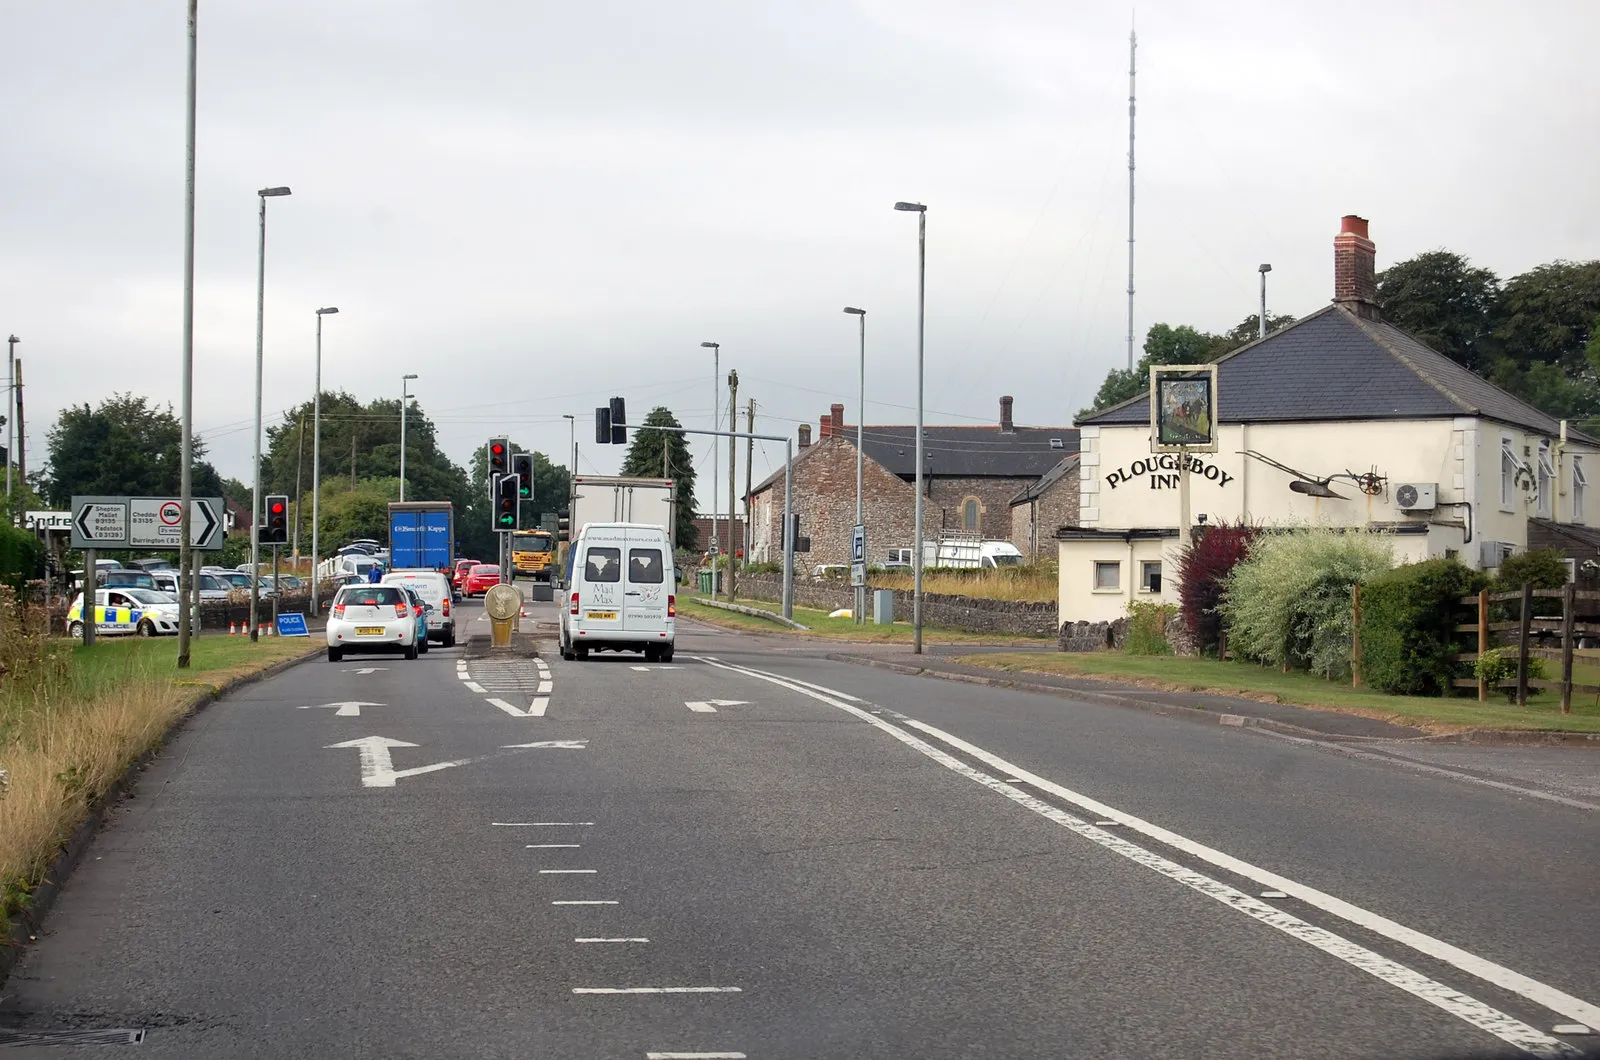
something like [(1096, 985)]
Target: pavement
[(758, 851)]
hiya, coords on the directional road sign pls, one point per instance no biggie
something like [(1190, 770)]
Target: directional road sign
[(146, 522)]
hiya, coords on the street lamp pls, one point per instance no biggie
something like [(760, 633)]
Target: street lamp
[(316, 463), (861, 418), (916, 560), (404, 399), (11, 408), (255, 492), (716, 425), (1263, 269)]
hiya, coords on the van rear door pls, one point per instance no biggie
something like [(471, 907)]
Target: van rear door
[(646, 583), (599, 584)]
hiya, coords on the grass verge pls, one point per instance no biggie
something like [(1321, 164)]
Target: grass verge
[(835, 628), (1303, 690), (73, 719)]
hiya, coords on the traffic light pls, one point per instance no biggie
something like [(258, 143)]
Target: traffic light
[(619, 421), (505, 503), (522, 467), (276, 529), (563, 525), (499, 458), (602, 426)]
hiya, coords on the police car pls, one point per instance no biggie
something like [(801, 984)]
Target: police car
[(144, 612)]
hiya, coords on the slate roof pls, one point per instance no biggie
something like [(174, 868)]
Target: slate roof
[(1050, 478), (966, 452), (1570, 538), (1335, 365)]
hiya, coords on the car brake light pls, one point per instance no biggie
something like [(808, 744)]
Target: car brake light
[(400, 610), (338, 610), (672, 607), (416, 609), (574, 608)]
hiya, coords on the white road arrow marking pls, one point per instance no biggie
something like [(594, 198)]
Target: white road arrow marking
[(571, 745), (365, 670), (647, 669), (535, 709), (710, 706), (348, 709), (377, 768)]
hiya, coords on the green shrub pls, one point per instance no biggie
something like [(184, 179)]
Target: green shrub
[(1542, 568), (21, 557), (1408, 619), (1147, 628), (1494, 666), (1288, 602)]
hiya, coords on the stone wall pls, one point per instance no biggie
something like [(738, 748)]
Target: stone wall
[(825, 500), (1092, 636), (974, 614)]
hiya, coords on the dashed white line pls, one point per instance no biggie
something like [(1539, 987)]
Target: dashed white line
[(585, 901), (552, 846), (1460, 1005), (544, 687), (541, 824), (539, 706), (655, 990), (568, 872), (476, 687), (694, 1056), (610, 940)]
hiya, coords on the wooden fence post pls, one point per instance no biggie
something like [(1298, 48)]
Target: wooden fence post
[(1355, 635), (1568, 606), (1483, 640), (1522, 644)]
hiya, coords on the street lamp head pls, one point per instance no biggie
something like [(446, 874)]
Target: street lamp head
[(568, 416), (330, 309), (13, 339), (1263, 267), (272, 193), (911, 207), (854, 311), (413, 375), (712, 345)]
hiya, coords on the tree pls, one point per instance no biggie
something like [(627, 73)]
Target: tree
[(1163, 344), (1246, 331), (1444, 300), (1548, 314), (124, 446), (645, 459)]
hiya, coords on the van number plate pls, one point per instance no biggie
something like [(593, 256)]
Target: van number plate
[(600, 615)]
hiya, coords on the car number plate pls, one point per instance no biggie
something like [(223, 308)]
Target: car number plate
[(370, 631), (600, 614)]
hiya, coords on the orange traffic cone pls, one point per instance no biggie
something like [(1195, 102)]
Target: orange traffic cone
[(233, 629), (270, 628)]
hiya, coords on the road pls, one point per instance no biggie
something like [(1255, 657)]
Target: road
[(757, 852)]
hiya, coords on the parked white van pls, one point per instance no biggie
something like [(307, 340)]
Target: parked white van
[(620, 592)]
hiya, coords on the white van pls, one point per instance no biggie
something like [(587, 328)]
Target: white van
[(620, 592), (434, 588)]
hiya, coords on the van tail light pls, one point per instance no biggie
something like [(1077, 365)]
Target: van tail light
[(447, 606), (338, 610), (572, 609), (400, 610), (672, 606)]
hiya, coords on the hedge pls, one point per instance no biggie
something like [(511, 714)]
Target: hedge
[(21, 557), (1408, 618)]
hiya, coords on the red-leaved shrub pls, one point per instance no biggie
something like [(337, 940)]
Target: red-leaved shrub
[(1201, 570)]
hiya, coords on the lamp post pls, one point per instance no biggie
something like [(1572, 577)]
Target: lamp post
[(187, 590), (916, 560), (405, 398), (716, 425), (11, 408), (1263, 269), (861, 418), (255, 491), (316, 465)]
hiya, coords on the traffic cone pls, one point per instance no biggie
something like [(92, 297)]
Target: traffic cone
[(270, 629), (233, 629)]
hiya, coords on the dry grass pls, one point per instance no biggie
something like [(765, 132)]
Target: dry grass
[(1035, 584), (73, 718)]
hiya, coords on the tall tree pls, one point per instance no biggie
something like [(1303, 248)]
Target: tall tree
[(1548, 314), (1163, 344), (123, 446), (1444, 300), (1246, 331), (645, 459)]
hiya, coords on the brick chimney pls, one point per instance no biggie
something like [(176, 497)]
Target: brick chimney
[(824, 427), (1355, 281), (1006, 426), (805, 435), (836, 414)]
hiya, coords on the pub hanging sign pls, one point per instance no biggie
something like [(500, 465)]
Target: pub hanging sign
[(1183, 408)]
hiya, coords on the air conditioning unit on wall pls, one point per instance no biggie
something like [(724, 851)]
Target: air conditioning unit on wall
[(1417, 496)]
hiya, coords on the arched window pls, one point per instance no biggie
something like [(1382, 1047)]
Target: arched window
[(970, 512)]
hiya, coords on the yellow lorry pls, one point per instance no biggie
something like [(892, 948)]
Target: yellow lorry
[(533, 552)]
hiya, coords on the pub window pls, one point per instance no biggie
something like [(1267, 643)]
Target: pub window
[(1107, 575), (1150, 576)]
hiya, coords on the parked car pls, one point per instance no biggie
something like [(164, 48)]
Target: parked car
[(124, 578), (480, 576), (122, 612), (240, 581), (210, 587), (434, 589), (620, 592), (153, 564), (377, 618)]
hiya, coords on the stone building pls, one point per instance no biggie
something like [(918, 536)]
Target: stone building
[(972, 477)]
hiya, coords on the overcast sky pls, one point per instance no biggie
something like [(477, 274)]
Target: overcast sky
[(535, 205)]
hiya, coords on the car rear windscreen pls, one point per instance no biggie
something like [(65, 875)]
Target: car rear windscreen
[(370, 596)]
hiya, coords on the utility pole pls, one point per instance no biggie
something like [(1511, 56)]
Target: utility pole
[(298, 496), (733, 470), (22, 432), (11, 398), (1133, 46), (188, 592), (749, 459), (352, 458)]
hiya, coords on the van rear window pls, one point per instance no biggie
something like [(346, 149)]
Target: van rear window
[(602, 564), (644, 565)]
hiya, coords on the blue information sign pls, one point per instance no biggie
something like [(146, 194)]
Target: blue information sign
[(292, 625)]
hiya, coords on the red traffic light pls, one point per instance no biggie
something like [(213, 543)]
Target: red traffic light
[(277, 509), (497, 449)]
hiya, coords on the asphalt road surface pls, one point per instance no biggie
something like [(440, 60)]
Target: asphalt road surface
[(760, 853)]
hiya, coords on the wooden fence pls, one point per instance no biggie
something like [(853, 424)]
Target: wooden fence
[(1565, 631)]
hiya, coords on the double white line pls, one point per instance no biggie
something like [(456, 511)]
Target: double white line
[(1475, 1012)]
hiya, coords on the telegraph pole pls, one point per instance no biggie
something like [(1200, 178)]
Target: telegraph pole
[(733, 470), (749, 459)]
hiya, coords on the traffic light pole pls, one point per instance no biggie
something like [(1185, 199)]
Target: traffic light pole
[(277, 587), (788, 497)]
